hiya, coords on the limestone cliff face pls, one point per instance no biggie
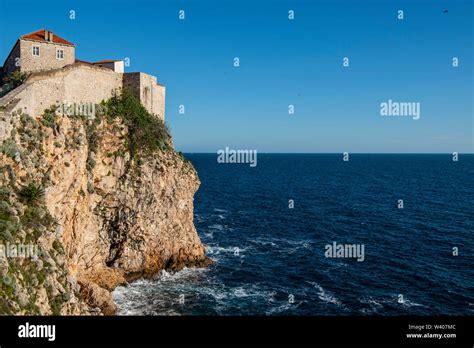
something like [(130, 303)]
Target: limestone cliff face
[(112, 217)]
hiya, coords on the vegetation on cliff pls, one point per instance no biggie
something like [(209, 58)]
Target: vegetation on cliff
[(24, 220), (147, 133), (106, 196), (33, 274)]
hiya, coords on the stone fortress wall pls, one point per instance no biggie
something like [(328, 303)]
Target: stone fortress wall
[(84, 83), (145, 88)]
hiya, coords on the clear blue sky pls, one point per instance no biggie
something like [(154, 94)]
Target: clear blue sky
[(283, 62)]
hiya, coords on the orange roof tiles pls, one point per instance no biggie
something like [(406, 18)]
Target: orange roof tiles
[(40, 36)]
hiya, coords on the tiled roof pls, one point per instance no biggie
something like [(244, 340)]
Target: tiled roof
[(106, 61), (40, 36), (82, 61)]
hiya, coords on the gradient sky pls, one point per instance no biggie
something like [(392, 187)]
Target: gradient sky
[(283, 62)]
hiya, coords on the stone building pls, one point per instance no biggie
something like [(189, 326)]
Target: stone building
[(56, 76), (115, 65), (40, 50)]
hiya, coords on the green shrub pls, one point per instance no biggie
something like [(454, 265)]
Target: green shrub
[(5, 193), (92, 142), (6, 228), (90, 164), (35, 217), (41, 275), (4, 206), (56, 304), (31, 194), (48, 118), (8, 225), (147, 133), (90, 187), (58, 247), (9, 148), (15, 78), (181, 155)]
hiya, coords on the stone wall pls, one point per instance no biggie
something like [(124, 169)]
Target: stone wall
[(47, 58), (11, 63), (160, 96), (84, 83), (132, 82), (151, 94), (77, 83)]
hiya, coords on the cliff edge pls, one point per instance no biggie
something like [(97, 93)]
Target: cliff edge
[(103, 199)]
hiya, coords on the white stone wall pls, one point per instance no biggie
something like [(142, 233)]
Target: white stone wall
[(78, 83), (160, 97), (83, 83)]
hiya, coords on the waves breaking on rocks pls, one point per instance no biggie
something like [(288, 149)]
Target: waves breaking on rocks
[(269, 260)]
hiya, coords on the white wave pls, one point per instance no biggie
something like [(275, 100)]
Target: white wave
[(325, 295), (284, 307), (285, 245), (374, 305), (134, 298), (199, 218), (180, 275), (378, 303), (281, 309), (401, 299), (220, 210), (372, 302), (251, 291), (305, 243), (240, 292), (216, 227), (223, 295), (215, 250), (263, 242), (294, 245)]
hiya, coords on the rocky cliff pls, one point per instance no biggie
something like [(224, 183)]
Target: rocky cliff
[(105, 200)]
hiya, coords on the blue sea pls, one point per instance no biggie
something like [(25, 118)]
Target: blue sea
[(270, 258)]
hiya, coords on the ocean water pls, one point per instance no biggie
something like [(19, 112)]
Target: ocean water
[(270, 259)]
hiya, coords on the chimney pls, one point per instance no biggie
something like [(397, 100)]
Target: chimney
[(48, 36)]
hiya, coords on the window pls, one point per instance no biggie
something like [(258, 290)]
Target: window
[(59, 54), (36, 51), (146, 95)]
